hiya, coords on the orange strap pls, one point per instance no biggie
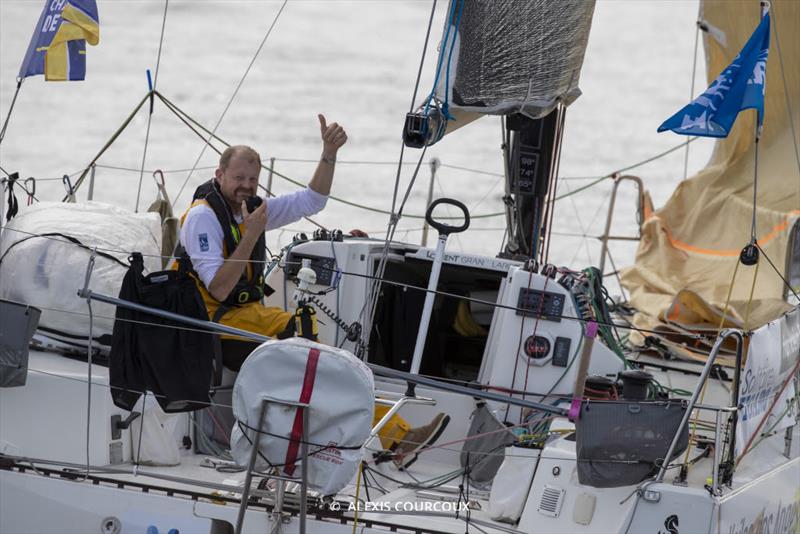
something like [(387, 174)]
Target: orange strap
[(773, 233)]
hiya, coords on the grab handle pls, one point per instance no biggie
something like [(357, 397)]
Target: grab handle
[(446, 229)]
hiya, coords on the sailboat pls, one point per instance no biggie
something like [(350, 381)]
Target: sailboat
[(557, 423)]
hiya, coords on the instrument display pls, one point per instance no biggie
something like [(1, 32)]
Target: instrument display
[(542, 304)]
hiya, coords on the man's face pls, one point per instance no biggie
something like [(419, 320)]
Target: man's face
[(238, 181)]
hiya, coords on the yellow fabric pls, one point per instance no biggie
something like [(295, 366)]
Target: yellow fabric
[(465, 325), (169, 228), (75, 26), (270, 321), (690, 246), (253, 316), (394, 430)]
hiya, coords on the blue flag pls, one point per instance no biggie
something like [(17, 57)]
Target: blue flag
[(740, 86), (58, 45)]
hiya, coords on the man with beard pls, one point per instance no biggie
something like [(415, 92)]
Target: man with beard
[(225, 240)]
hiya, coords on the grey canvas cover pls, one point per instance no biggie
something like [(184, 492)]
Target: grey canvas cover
[(623, 443), (482, 456), (17, 325)]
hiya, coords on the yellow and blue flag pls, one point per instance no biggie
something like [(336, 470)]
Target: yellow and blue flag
[(58, 45), (740, 86)]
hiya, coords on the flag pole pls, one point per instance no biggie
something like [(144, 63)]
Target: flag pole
[(765, 5), (10, 109)]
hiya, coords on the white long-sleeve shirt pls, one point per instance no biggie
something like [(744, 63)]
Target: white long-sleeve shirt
[(201, 234)]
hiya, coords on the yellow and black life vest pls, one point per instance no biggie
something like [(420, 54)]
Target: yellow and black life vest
[(250, 287)]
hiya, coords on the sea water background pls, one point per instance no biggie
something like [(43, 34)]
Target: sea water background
[(356, 62)]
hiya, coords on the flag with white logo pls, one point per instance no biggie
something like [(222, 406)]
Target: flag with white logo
[(740, 86), (58, 46)]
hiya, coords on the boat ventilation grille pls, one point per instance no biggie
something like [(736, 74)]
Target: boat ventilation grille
[(552, 499)]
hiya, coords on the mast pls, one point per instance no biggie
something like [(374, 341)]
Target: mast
[(530, 163)]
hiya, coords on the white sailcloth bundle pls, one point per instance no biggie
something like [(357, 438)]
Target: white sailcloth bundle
[(339, 389), (44, 253)]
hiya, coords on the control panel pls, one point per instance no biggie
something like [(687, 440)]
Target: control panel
[(541, 304), (324, 267), (561, 352)]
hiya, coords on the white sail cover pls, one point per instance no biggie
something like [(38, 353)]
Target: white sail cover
[(340, 391), (41, 267), (512, 56)]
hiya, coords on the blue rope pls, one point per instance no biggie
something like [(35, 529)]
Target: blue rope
[(446, 105), (441, 56)]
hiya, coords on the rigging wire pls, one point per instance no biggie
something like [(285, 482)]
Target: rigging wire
[(375, 278), (691, 89), (778, 272), (10, 109), (89, 355), (111, 141), (394, 217), (774, 22), (150, 115), (185, 117), (233, 96), (422, 60)]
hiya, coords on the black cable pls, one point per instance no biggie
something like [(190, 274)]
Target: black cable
[(503, 306), (777, 271), (303, 442), (150, 115), (11, 108)]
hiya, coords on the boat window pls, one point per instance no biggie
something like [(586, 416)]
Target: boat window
[(793, 263), (458, 329)]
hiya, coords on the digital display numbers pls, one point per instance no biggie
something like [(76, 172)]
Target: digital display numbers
[(541, 304), (528, 163)]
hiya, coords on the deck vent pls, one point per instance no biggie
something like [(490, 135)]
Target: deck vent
[(552, 499)]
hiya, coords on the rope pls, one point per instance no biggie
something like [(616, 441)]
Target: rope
[(555, 167), (89, 355), (372, 301), (755, 187), (108, 144), (394, 216), (750, 299), (786, 91), (358, 492), (150, 115), (422, 60), (390, 282), (235, 92), (778, 272), (719, 329), (10, 109), (446, 105), (691, 90), (176, 110), (766, 415), (184, 117)]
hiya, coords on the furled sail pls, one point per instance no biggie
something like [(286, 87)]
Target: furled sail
[(503, 57), (512, 56), (689, 250)]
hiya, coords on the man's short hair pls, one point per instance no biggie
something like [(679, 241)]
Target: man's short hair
[(242, 151)]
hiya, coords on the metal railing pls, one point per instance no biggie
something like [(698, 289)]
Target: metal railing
[(606, 237), (730, 410)]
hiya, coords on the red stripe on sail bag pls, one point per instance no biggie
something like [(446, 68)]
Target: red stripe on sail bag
[(305, 396)]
